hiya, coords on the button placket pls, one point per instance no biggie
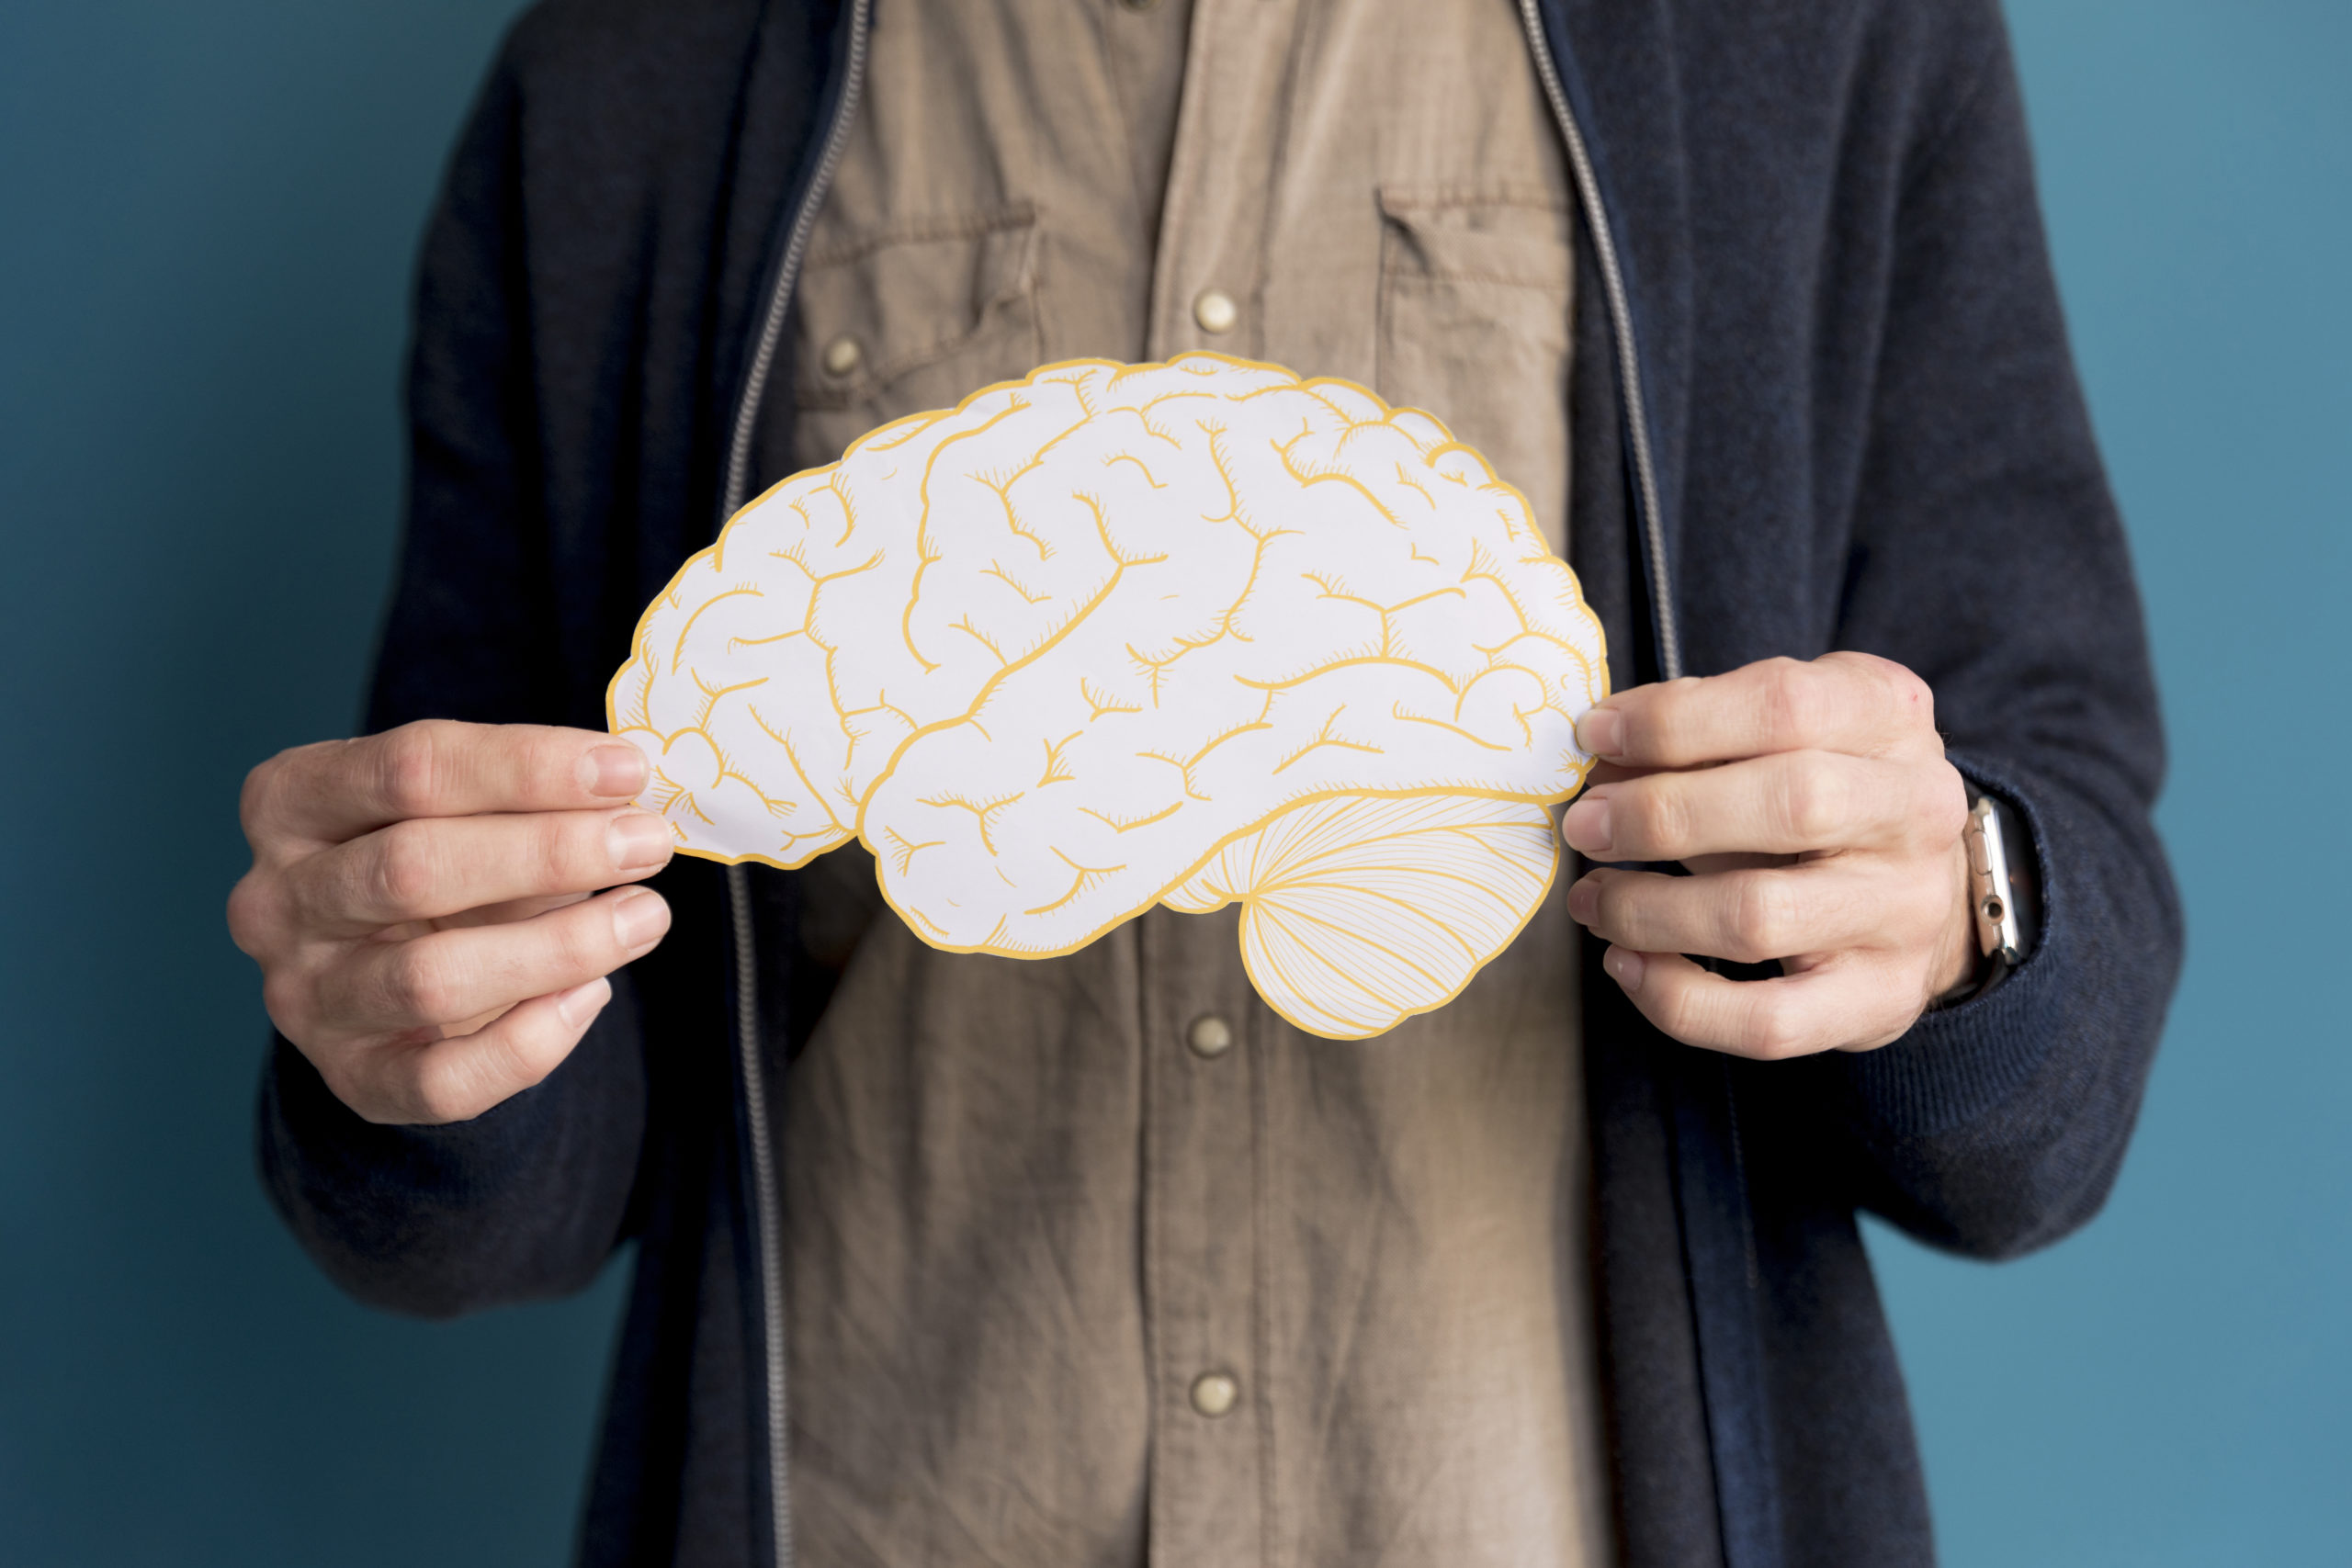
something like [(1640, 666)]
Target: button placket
[(1205, 278), (1203, 1310)]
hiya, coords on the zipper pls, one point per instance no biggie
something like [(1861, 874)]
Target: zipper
[(764, 1220), (750, 1056), (1719, 1248), (1621, 323), (787, 272)]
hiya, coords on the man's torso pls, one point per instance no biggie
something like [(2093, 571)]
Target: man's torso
[(1038, 1209)]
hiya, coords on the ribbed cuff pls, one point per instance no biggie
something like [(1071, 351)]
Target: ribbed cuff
[(1956, 1064)]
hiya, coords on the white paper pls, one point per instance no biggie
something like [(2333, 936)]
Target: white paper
[(1122, 635)]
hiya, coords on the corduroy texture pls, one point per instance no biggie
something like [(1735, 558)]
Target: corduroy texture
[(1869, 436)]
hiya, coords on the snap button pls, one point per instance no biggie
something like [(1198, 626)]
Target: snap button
[(841, 355), (1213, 1394), (1209, 1037), (1216, 311)]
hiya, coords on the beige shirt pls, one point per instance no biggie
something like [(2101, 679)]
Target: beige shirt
[(1094, 1260)]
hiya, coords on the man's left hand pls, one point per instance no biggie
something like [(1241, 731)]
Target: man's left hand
[(1822, 825)]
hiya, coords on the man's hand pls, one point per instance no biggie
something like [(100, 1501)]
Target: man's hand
[(419, 906), (1815, 807)]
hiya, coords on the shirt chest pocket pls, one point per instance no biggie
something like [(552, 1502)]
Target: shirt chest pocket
[(1475, 289), (914, 315)]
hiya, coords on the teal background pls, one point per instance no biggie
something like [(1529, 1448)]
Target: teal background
[(208, 218)]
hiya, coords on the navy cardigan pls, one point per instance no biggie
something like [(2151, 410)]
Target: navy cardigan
[(1868, 434)]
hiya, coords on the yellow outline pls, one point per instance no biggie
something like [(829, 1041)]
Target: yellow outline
[(1440, 459)]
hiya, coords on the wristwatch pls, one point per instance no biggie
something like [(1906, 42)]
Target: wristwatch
[(2002, 892)]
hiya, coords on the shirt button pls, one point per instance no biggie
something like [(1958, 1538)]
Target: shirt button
[(1213, 1394), (841, 355), (1216, 311), (1209, 1037)]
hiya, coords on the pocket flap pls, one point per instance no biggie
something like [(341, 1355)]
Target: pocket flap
[(876, 305), (1518, 236)]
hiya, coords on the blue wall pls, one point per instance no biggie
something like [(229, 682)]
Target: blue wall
[(208, 216), (206, 219)]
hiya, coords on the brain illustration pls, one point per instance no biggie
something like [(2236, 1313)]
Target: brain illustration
[(1118, 635)]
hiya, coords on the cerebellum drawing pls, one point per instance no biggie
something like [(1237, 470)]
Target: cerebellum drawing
[(1118, 635)]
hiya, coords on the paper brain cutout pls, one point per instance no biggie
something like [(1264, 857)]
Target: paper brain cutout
[(1125, 634)]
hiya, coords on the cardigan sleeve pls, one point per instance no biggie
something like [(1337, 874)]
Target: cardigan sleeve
[(1989, 558)]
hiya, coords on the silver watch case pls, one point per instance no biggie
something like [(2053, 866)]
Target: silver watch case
[(1999, 934)]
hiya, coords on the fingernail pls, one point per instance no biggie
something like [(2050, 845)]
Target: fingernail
[(639, 838), (581, 1003), (638, 917), (1624, 967), (1584, 901), (1586, 826), (1601, 732), (613, 771)]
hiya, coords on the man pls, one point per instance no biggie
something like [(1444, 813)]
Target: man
[(1092, 1259)]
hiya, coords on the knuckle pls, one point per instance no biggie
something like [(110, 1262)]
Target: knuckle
[(420, 983), (1774, 1031), (532, 1048), (1613, 902), (1658, 726), (411, 767), (257, 795), (265, 798), (450, 1092), (1667, 999), (1655, 820), (1626, 914), (1896, 692), (253, 913), (460, 1079), (563, 848), (585, 941), (1909, 696), (1764, 918), (1796, 702), (441, 1091), (1682, 1014), (406, 870), (1813, 803)]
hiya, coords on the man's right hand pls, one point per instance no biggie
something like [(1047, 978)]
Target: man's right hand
[(420, 906)]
